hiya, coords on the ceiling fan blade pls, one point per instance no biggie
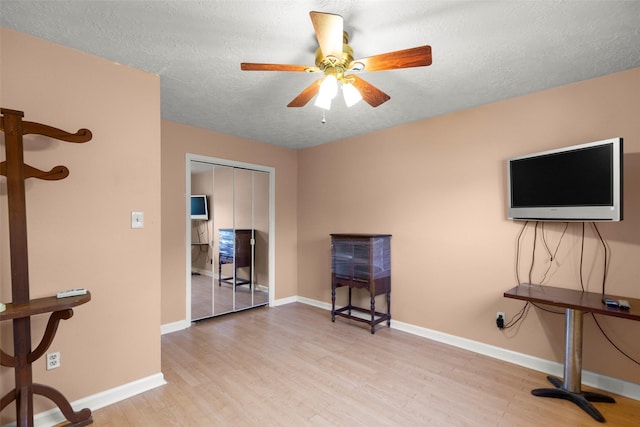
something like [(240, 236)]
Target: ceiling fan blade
[(306, 95), (251, 66), (407, 58), (371, 94), (329, 30)]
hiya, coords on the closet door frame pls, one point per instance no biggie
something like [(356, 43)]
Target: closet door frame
[(272, 245)]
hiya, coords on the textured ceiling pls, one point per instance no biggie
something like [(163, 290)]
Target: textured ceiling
[(483, 51)]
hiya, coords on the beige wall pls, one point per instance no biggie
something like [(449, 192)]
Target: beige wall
[(438, 186), (79, 228), (177, 141)]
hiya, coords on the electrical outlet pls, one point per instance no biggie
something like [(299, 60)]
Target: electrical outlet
[(53, 360), (500, 319)]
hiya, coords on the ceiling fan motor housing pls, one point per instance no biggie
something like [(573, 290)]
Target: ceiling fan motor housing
[(331, 65)]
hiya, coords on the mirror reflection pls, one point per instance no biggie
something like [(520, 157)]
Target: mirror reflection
[(229, 247)]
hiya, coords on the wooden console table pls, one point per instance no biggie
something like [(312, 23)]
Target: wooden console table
[(575, 303), (22, 307)]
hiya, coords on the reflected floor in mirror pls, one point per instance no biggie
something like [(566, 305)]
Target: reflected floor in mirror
[(202, 297)]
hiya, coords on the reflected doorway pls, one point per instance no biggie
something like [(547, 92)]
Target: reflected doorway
[(230, 248)]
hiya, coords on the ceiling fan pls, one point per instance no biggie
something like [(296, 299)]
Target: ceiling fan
[(334, 58)]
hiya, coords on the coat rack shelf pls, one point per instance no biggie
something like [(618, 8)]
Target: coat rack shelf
[(22, 308)]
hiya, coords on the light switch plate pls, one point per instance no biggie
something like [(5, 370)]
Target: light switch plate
[(137, 220)]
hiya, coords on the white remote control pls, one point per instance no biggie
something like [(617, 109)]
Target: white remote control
[(71, 292)]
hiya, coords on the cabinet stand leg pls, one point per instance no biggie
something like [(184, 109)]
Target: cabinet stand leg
[(333, 303), (389, 309), (373, 314)]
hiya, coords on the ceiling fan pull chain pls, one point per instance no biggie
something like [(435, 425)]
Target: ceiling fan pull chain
[(324, 119)]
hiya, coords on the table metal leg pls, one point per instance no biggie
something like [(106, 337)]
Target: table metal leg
[(573, 350), (569, 387)]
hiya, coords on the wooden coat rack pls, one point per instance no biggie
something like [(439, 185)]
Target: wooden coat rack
[(22, 307)]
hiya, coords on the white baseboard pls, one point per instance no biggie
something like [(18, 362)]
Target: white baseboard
[(319, 304), (283, 301), (174, 327), (592, 379), (100, 400)]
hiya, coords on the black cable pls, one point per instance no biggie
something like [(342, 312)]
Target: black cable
[(546, 309), (552, 256), (605, 273), (515, 319), (533, 252), (582, 258), (524, 226), (612, 343), (607, 257), (544, 240), (519, 316), (525, 308)]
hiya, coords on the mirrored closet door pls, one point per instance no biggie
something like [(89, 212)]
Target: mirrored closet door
[(230, 247)]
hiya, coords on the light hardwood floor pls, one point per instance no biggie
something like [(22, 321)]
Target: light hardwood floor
[(291, 366)]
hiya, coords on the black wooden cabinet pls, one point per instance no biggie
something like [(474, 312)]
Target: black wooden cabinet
[(236, 244), (361, 261)]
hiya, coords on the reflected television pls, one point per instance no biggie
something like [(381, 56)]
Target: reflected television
[(199, 209), (576, 183)]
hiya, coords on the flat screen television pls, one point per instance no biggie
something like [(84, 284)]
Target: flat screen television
[(199, 209), (577, 183)]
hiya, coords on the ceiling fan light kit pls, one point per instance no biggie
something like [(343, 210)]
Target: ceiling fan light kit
[(328, 90), (351, 94), (335, 57)]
